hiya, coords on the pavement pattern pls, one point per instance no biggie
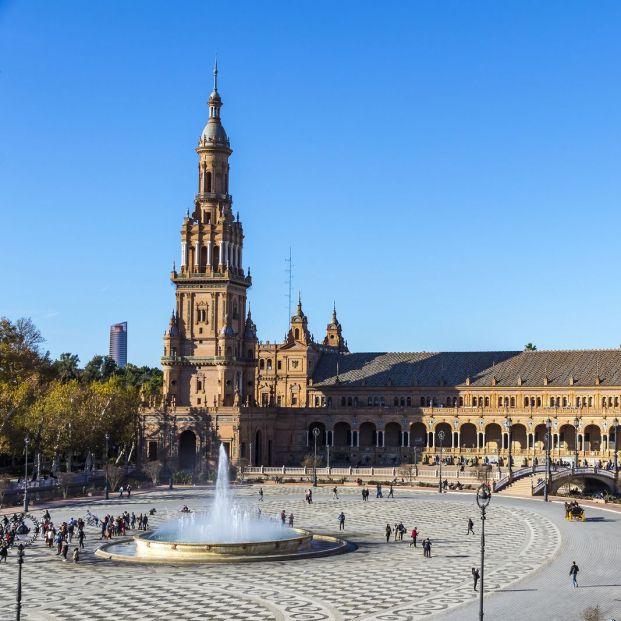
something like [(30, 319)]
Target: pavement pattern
[(378, 581)]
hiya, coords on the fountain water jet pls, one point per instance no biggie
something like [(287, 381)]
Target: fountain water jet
[(227, 532)]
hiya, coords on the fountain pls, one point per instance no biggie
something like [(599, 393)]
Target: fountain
[(227, 531)]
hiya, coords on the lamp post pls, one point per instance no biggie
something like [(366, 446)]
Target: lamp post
[(316, 433), (509, 425), (107, 491), (615, 424), (26, 443), (483, 499), (20, 562), (577, 426), (441, 438), (548, 437)]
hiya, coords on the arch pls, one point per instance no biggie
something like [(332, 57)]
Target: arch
[(493, 438), (448, 436), (342, 434), (187, 450), (215, 259), (392, 435), (518, 437), (368, 434), (567, 434), (321, 438), (152, 451), (468, 435), (592, 438), (418, 435), (540, 441), (208, 184), (297, 334)]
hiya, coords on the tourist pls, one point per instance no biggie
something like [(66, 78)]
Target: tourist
[(132, 521), (391, 493), (414, 536), (475, 577), (129, 490), (76, 555), (395, 530), (121, 492), (378, 490), (310, 497), (402, 530), (573, 572), (291, 520), (65, 550), (342, 521), (388, 533), (470, 527), (334, 492), (260, 494), (427, 548), (4, 552), (283, 517), (81, 538), (145, 521)]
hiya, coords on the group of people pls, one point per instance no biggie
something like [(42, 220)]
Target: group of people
[(62, 536), (284, 519), (117, 526), (10, 529), (398, 531)]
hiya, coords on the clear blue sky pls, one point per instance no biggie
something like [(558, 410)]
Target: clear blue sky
[(448, 172)]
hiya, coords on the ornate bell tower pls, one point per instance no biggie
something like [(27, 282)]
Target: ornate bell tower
[(210, 344)]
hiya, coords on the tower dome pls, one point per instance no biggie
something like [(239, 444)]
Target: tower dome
[(213, 133)]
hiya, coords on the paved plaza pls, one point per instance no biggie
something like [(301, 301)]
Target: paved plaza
[(529, 550)]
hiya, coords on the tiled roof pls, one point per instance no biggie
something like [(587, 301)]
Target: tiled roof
[(486, 368)]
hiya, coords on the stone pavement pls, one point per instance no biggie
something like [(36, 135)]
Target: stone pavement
[(388, 582)]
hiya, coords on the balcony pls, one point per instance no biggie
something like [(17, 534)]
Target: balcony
[(211, 275)]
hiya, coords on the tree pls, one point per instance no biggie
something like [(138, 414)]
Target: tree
[(99, 368), (115, 475), (152, 469), (66, 367), (530, 347)]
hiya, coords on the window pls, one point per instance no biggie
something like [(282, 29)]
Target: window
[(317, 401), (198, 401), (382, 401), (603, 402), (461, 402), (262, 364), (356, 402), (512, 402), (343, 401), (279, 365), (499, 402), (199, 385), (538, 402), (395, 401), (269, 365), (349, 401), (208, 182), (422, 401), (279, 400), (376, 401), (297, 333), (265, 399), (486, 402), (408, 402)]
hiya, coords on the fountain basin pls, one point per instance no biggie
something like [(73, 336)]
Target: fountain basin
[(148, 546), (140, 549)]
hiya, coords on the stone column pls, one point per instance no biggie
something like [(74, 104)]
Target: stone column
[(209, 252), (184, 254), (197, 253)]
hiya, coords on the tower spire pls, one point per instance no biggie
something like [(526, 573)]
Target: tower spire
[(215, 75)]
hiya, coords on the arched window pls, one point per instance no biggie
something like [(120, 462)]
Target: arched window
[(422, 401), (538, 402), (376, 401), (262, 364), (499, 401), (208, 181), (461, 402), (349, 401), (343, 401), (297, 333), (269, 364), (408, 402), (603, 402), (590, 402), (512, 402), (395, 401), (402, 402), (486, 402)]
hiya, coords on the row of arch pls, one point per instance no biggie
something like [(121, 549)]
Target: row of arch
[(492, 437)]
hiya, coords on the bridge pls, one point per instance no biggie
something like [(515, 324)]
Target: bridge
[(559, 476)]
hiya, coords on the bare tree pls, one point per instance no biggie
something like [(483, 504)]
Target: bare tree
[(65, 479), (115, 474), (152, 469), (593, 614)]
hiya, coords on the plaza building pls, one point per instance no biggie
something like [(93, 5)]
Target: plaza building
[(264, 401)]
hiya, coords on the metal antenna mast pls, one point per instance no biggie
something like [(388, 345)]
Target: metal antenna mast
[(289, 272)]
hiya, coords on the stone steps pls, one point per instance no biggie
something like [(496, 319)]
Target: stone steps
[(521, 487)]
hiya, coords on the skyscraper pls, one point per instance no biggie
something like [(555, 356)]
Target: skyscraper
[(118, 343)]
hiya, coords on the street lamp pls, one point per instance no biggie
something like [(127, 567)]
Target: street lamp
[(441, 438), (106, 457), (577, 426), (615, 424), (316, 433), (509, 425), (26, 443), (483, 498), (548, 437), (20, 562)]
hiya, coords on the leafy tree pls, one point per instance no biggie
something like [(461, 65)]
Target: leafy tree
[(66, 367), (99, 368), (530, 347)]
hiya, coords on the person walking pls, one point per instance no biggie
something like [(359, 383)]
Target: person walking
[(388, 533), (65, 550), (121, 492), (391, 493), (291, 520), (3, 553), (76, 555), (81, 538), (573, 572), (342, 521), (475, 577), (260, 494), (470, 526), (334, 491), (129, 490), (283, 517), (378, 491), (414, 536)]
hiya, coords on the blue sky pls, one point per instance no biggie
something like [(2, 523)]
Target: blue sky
[(448, 172)]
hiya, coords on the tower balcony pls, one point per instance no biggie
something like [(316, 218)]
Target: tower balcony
[(209, 275), (213, 196)]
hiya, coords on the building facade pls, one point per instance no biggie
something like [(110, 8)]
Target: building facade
[(264, 400), (118, 344)]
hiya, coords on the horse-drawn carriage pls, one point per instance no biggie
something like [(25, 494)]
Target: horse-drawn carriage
[(573, 511)]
